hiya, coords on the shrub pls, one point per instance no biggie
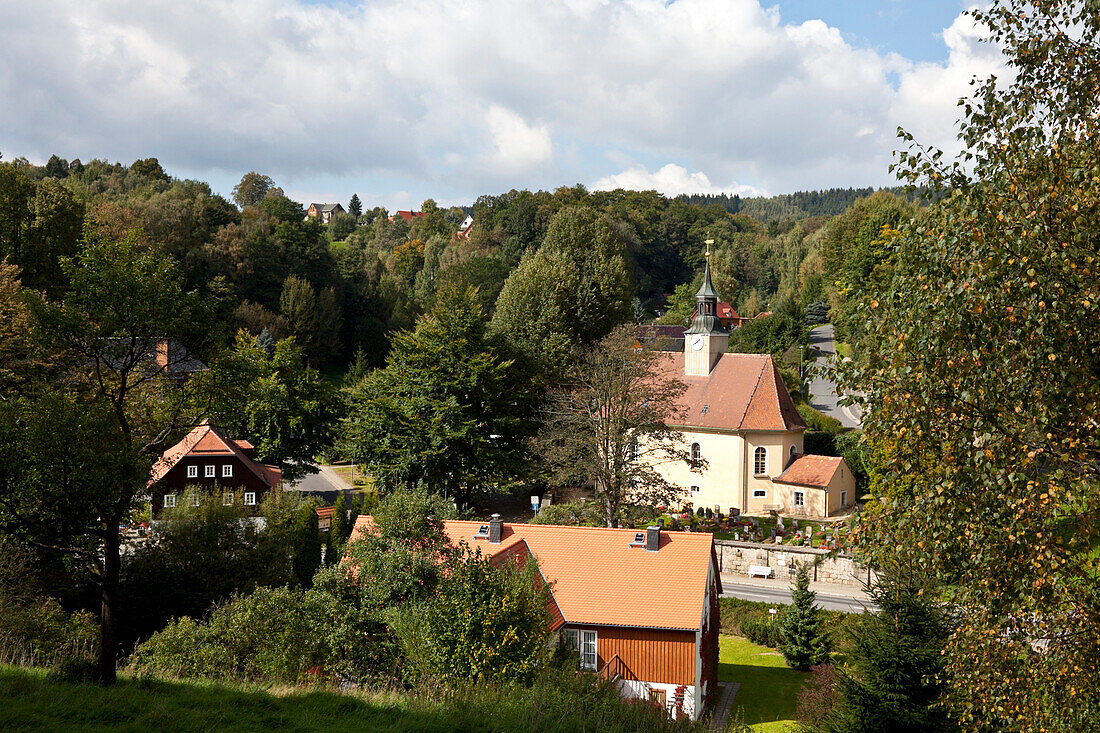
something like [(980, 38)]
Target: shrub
[(818, 421), (271, 634), (763, 630), (574, 514)]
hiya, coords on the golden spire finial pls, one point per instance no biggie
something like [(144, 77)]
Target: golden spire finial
[(708, 243)]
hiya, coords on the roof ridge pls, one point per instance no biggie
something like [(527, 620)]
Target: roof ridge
[(576, 526)]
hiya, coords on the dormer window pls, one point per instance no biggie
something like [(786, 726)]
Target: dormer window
[(482, 532), (639, 540)]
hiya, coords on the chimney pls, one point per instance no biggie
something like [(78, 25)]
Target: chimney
[(652, 538), (163, 357), (496, 529)]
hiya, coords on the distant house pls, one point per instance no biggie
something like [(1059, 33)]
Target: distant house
[(324, 212), (164, 356), (639, 607), (406, 215), (661, 338), (465, 228), (208, 459)]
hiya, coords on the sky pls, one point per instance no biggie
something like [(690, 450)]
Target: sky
[(402, 100)]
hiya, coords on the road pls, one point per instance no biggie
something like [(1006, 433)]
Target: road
[(325, 485), (823, 397), (749, 592)]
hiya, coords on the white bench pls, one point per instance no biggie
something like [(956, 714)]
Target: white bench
[(762, 570)]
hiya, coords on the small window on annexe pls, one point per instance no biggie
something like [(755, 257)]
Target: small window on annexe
[(760, 461), (800, 498)]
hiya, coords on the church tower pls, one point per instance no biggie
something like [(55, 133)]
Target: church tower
[(706, 340)]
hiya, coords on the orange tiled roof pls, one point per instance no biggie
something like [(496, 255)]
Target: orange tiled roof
[(812, 471), (597, 578), (207, 440), (742, 392)]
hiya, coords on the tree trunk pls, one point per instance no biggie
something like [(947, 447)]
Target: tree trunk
[(108, 636)]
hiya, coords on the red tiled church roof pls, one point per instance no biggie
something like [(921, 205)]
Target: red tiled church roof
[(812, 471), (742, 392)]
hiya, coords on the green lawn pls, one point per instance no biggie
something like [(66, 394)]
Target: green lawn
[(32, 700), (769, 688)]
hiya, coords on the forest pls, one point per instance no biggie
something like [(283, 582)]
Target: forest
[(344, 289)]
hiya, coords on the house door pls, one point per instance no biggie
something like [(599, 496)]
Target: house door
[(588, 650)]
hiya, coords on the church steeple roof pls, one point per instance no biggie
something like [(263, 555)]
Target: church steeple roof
[(706, 305)]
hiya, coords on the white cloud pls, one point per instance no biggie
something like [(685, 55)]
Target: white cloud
[(461, 97), (671, 180)]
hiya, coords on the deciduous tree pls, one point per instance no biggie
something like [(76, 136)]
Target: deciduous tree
[(610, 423)]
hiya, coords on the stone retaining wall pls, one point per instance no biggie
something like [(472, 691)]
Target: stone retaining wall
[(824, 567)]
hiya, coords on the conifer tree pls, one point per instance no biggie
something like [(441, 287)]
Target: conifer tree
[(893, 677), (306, 543), (355, 206), (804, 642), (338, 530)]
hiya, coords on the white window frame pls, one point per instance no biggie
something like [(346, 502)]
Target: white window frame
[(209, 471), (590, 650), (798, 497), (196, 499), (193, 471), (250, 498), (169, 501), (794, 450), (760, 493), (227, 498), (227, 470), (760, 461), (571, 638)]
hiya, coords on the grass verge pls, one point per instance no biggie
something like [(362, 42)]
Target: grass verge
[(769, 688)]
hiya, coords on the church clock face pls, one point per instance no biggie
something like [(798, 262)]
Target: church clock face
[(697, 341)]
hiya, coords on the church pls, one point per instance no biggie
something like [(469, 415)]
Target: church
[(744, 434)]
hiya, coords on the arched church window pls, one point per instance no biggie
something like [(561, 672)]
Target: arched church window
[(760, 461)]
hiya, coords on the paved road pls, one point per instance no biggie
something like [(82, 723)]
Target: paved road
[(325, 485), (748, 592), (823, 397)]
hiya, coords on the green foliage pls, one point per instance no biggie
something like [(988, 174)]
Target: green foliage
[(575, 513), (485, 623), (305, 546), (449, 409), (819, 421), (893, 676), (816, 313), (355, 206), (763, 630), (341, 226), (270, 634), (803, 642), (284, 407), (610, 424), (572, 291), (202, 555), (339, 529), (313, 316), (558, 702), (772, 334), (982, 358), (252, 189)]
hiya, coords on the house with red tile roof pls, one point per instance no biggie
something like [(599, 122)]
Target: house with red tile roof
[(209, 460), (406, 215), (742, 429), (637, 606)]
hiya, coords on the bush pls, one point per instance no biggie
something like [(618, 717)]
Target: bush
[(573, 514), (818, 421), (762, 630), (271, 634), (203, 555), (486, 623)]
